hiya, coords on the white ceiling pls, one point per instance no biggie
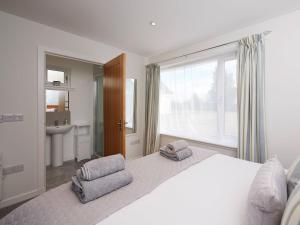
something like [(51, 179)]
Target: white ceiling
[(125, 23)]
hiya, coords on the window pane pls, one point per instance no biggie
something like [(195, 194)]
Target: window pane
[(230, 98), (188, 102), (54, 75), (199, 101)]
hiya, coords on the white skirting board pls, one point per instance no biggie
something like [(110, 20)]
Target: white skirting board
[(20, 198)]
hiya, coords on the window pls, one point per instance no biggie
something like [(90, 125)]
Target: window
[(54, 75), (198, 100), (57, 77)]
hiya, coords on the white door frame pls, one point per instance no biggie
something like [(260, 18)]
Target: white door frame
[(41, 113)]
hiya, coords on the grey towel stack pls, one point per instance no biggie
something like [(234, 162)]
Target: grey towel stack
[(103, 166), (99, 177), (177, 150)]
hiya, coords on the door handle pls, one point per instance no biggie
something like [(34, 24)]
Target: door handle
[(120, 125)]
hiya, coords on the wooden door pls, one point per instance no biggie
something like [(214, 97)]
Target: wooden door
[(114, 106)]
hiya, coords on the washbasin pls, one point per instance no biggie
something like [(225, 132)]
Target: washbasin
[(58, 129)]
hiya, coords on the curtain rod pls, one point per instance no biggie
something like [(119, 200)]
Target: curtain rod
[(206, 49)]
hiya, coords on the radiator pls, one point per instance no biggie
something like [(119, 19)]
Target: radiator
[(1, 174)]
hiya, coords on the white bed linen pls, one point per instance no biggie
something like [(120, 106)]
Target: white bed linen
[(212, 192)]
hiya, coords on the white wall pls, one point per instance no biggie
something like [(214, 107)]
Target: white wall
[(81, 97), (282, 80), (19, 42)]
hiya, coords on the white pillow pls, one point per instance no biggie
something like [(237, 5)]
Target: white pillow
[(293, 176), (268, 194), (291, 214)]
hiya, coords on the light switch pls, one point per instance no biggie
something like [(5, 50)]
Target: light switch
[(11, 118), (7, 117), (19, 117)]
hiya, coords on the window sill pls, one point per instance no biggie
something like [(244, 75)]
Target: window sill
[(206, 142)]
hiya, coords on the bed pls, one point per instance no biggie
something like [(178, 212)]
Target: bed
[(208, 188), (212, 192)]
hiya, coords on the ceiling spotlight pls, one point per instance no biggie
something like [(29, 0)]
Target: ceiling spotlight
[(152, 23)]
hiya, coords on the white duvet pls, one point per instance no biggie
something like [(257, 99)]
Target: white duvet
[(212, 192)]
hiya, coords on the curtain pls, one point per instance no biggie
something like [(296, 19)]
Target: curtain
[(152, 109), (250, 80)]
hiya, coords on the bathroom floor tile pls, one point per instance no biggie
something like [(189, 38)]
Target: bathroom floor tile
[(56, 176)]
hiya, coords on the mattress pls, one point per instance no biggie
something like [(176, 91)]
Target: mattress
[(212, 192)]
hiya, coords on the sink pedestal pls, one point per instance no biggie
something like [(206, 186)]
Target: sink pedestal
[(57, 150), (57, 133)]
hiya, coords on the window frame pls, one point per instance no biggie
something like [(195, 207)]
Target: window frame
[(221, 138)]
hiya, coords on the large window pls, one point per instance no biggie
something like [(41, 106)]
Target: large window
[(198, 100)]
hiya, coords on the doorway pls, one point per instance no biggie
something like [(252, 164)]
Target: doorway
[(71, 119), (99, 83)]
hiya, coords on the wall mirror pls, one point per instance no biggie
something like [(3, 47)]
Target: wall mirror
[(57, 101), (131, 85)]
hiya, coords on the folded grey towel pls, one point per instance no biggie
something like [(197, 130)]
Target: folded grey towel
[(177, 156), (91, 190), (177, 145), (102, 167)]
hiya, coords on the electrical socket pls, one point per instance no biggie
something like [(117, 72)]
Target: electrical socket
[(135, 142), (13, 169)]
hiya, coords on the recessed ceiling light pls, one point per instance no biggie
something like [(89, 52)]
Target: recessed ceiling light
[(152, 23)]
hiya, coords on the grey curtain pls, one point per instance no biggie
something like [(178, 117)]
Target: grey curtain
[(152, 109), (251, 87)]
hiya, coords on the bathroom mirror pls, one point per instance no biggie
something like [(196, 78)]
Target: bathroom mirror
[(131, 85), (57, 101)]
